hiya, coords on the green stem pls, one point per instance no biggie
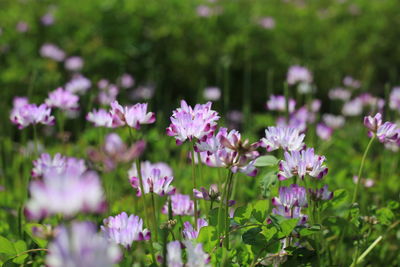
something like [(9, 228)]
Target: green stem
[(368, 250), (35, 139), (361, 169), (155, 222), (228, 194), (194, 183)]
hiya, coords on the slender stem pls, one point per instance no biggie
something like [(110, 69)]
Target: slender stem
[(228, 194), (368, 250), (155, 222), (361, 169), (194, 183), (221, 221), (35, 139)]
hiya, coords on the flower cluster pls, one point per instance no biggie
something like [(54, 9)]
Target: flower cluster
[(180, 204), (192, 123), (290, 201), (59, 163), (62, 99), (278, 102), (196, 257), (24, 114), (123, 230), (133, 116), (387, 133), (289, 139), (189, 232)]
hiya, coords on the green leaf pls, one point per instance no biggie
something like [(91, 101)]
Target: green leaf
[(264, 161), (20, 246), (42, 243), (260, 209), (310, 230), (267, 182), (253, 237), (288, 226), (6, 246), (340, 196), (385, 216), (208, 237), (243, 214), (269, 233)]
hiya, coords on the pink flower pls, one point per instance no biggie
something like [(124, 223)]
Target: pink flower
[(287, 138), (299, 74), (394, 100), (267, 22), (192, 123), (291, 200), (45, 163), (62, 99), (52, 51), (351, 82), (212, 93), (47, 19), (320, 194), (333, 121), (189, 232), (22, 26), (100, 118), (339, 93), (373, 123), (324, 132), (133, 116), (126, 81), (78, 84), (278, 102), (181, 205), (388, 133), (74, 63), (27, 114)]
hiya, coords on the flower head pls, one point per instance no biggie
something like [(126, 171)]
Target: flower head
[(321, 194), (388, 133), (100, 118), (174, 254), (133, 116), (192, 123), (62, 99), (189, 232), (394, 99), (373, 123), (45, 163), (74, 63), (81, 246), (278, 102), (181, 205), (52, 51), (301, 163), (287, 138), (299, 74), (196, 257), (324, 132), (27, 114), (333, 121), (123, 230), (78, 85), (212, 93), (291, 200)]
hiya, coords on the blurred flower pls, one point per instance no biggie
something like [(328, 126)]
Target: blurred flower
[(315, 105), (108, 92), (189, 232), (388, 133), (367, 182), (339, 93), (145, 92), (66, 192), (52, 51), (267, 22), (133, 116), (59, 163), (394, 99), (100, 118), (333, 121), (212, 194), (192, 123), (373, 123), (78, 84), (74, 63), (22, 26), (230, 151), (24, 115), (181, 205), (324, 132), (196, 257), (81, 246), (321, 194), (123, 230), (126, 81), (47, 19), (156, 178), (299, 74), (212, 93), (174, 254), (278, 102), (288, 139), (351, 82), (62, 99), (353, 107), (301, 163), (290, 201), (204, 11)]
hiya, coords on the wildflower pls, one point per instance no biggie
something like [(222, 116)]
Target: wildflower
[(62, 99), (230, 151), (133, 116), (278, 102), (212, 194), (196, 257), (301, 163), (78, 85), (324, 132), (367, 182), (47, 19), (212, 93), (126, 81), (192, 123), (100, 118), (181, 205), (339, 94), (67, 192), (31, 114), (108, 92), (191, 233), (287, 138), (290, 201), (394, 99), (81, 246), (333, 121), (299, 74), (74, 63), (353, 107), (373, 123), (267, 22), (123, 230), (156, 177), (204, 11), (321, 194), (388, 133), (351, 82), (174, 254), (145, 92), (52, 51), (22, 26), (45, 163)]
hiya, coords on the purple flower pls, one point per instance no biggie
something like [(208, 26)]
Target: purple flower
[(278, 102), (394, 99), (333, 121), (192, 123), (181, 205), (126, 81), (230, 151), (100, 118), (212, 93), (204, 11), (78, 84), (299, 74), (133, 116), (196, 257), (324, 132), (351, 82), (189, 232), (62, 99), (291, 200), (156, 177), (353, 107), (287, 138), (388, 133), (27, 114), (74, 63), (108, 92), (52, 51), (373, 123), (174, 254), (321, 194), (22, 26), (267, 22), (67, 192), (123, 230), (45, 163), (301, 163), (340, 94), (81, 246), (366, 182), (47, 19), (212, 194)]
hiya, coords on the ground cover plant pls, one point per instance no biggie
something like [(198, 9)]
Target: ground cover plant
[(109, 162)]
